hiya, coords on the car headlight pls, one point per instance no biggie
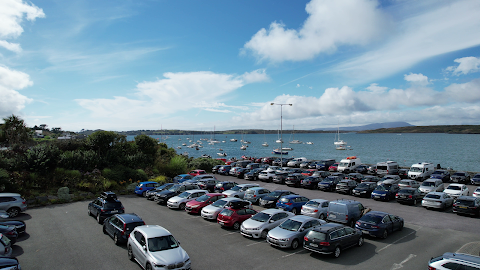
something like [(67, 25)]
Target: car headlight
[(284, 239), (195, 206), (159, 265), (363, 191)]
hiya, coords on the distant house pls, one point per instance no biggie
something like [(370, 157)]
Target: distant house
[(66, 137), (39, 134)]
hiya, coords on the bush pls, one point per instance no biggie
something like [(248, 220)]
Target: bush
[(85, 160), (161, 179), (204, 163), (42, 158)]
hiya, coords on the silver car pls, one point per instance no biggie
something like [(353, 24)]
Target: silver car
[(211, 211), (154, 247), (262, 222), (316, 208), (238, 191), (431, 185), (180, 201), (408, 183), (13, 203), (290, 233), (438, 200)]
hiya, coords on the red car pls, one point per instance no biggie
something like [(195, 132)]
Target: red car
[(195, 206), (197, 172), (233, 216), (309, 172), (334, 167)]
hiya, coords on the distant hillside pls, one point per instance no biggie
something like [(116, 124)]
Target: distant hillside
[(369, 127), (452, 129)]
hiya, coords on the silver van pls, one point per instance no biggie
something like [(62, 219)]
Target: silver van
[(345, 211), (389, 167)]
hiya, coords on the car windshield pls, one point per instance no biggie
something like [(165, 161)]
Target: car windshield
[(428, 184), (380, 188), (162, 243), (477, 176), (405, 182), (459, 174), (174, 188), (184, 194), (291, 225), (274, 194), (329, 179), (343, 164), (197, 178), (363, 185), (226, 212), (415, 169), (261, 217), (219, 203), (131, 226), (406, 191), (432, 196), (374, 219), (465, 202), (454, 187), (203, 198), (284, 200), (437, 172), (313, 203), (316, 235), (236, 188)]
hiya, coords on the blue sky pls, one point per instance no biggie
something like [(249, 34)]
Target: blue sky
[(130, 65)]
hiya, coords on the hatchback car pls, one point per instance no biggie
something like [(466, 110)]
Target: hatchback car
[(454, 261), (181, 200), (431, 185), (101, 208), (333, 167), (224, 169), (13, 203), (409, 196), (254, 194), (290, 233), (346, 186), (195, 206), (266, 176), (143, 187), (332, 238), (154, 247), (407, 183), (457, 190), (316, 208), (385, 192), (437, 200), (182, 178), (119, 226), (210, 212), (197, 172), (460, 177), (238, 191), (233, 217), (364, 189), (270, 200), (261, 223), (292, 203), (467, 205), (150, 195), (379, 224)]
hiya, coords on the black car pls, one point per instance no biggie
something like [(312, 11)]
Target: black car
[(346, 186), (279, 178), (163, 196), (10, 232), (150, 194), (323, 164), (409, 196), (223, 186), (105, 206), (330, 183), (294, 180), (9, 264), (467, 205), (441, 174), (311, 182), (19, 225), (371, 178), (332, 238), (460, 177), (358, 177), (403, 173), (252, 174), (119, 226), (364, 189), (241, 172), (215, 168), (207, 184), (270, 200), (361, 169)]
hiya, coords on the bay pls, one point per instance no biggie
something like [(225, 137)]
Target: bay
[(454, 151)]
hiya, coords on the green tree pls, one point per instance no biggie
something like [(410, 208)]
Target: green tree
[(14, 131), (147, 145), (103, 141)]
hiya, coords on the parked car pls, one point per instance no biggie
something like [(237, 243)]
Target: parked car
[(197, 172), (270, 200), (324, 164), (332, 238), (10, 232), (143, 187), (457, 190), (345, 211), (475, 179), (467, 205), (454, 261), (372, 169), (437, 200), (379, 224), (294, 180), (163, 196), (195, 206), (153, 245), (253, 174), (321, 174), (409, 196), (119, 226), (292, 203), (224, 169), (211, 211), (240, 173), (261, 223), (407, 183), (181, 200), (215, 168), (19, 225), (333, 167), (316, 208), (460, 177), (311, 182), (207, 184), (371, 178), (238, 191), (444, 175), (103, 207), (182, 178), (357, 177), (364, 189), (279, 178), (9, 264), (223, 186), (150, 195), (330, 183), (5, 246), (385, 192), (390, 179), (290, 233), (234, 216), (430, 185), (309, 172), (346, 186), (254, 194), (233, 171), (476, 193), (266, 176), (12, 203), (403, 173), (361, 169)]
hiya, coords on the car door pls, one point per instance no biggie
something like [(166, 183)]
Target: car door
[(108, 223), (396, 222), (138, 247), (349, 239), (387, 223)]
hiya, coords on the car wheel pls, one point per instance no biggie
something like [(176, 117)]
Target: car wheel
[(264, 234), (144, 194), (322, 216), (99, 220), (337, 252), (104, 230), (13, 212), (294, 211), (148, 267), (89, 212), (295, 244), (236, 226), (182, 206), (360, 241), (385, 234), (130, 253), (401, 227)]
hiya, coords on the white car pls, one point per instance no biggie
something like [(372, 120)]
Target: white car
[(238, 191), (273, 168), (182, 199), (476, 193), (211, 211), (152, 246), (316, 208), (266, 175), (262, 222), (457, 190)]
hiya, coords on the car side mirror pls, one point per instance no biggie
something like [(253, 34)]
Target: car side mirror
[(271, 221), (302, 229), (145, 248)]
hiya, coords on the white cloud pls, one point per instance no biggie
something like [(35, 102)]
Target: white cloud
[(258, 75), (466, 92), (417, 79), (11, 100), (466, 65), (376, 89), (329, 24), (14, 47)]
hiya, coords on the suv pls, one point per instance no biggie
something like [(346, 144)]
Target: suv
[(143, 187), (345, 211), (330, 183), (454, 261), (324, 164), (468, 205), (332, 238), (163, 196), (103, 207), (119, 226), (13, 203)]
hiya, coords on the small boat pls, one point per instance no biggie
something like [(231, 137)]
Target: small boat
[(233, 140), (309, 142), (184, 144), (222, 154), (287, 148), (278, 152), (340, 144), (293, 136), (179, 147), (220, 149), (206, 156), (243, 147), (279, 141), (265, 144), (185, 154)]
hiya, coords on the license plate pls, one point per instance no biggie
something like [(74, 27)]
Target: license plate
[(114, 211), (365, 232), (332, 216), (463, 207), (221, 223), (313, 245), (377, 197)]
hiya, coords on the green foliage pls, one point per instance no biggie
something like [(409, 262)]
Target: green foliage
[(4, 180), (42, 158), (176, 166), (161, 179), (85, 160), (14, 131), (103, 141), (147, 145), (204, 163)]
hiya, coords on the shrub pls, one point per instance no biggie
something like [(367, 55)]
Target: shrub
[(161, 179), (204, 163)]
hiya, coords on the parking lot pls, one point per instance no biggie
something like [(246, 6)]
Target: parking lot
[(65, 237)]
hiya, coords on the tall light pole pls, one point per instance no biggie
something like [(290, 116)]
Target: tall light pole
[(281, 130)]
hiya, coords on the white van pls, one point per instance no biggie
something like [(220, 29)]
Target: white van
[(421, 171), (349, 164), (389, 167)]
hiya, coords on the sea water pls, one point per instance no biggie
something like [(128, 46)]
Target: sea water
[(455, 151)]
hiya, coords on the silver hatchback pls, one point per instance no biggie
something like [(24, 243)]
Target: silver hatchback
[(316, 208), (290, 233), (262, 222)]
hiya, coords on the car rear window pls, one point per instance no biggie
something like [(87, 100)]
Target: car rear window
[(313, 203), (428, 184), (226, 212), (113, 205), (432, 196), (406, 191), (316, 235), (284, 200), (131, 226), (465, 202), (454, 187), (375, 219)]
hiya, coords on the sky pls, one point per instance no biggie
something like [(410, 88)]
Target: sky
[(215, 64)]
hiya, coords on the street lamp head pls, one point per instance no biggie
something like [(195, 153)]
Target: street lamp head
[(290, 104), (272, 103)]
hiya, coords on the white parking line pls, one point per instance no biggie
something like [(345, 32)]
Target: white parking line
[(256, 243), (230, 233), (387, 246), (191, 217), (400, 265), (293, 253), (210, 224)]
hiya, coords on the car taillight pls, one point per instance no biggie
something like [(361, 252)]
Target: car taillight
[(254, 196), (305, 238), (396, 195), (358, 223), (10, 233), (324, 244), (410, 196), (432, 268), (346, 217), (289, 203), (222, 188), (316, 210), (375, 227), (24, 202), (141, 188), (124, 229)]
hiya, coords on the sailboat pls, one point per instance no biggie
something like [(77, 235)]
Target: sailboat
[(265, 143), (340, 144), (212, 141), (279, 140), (293, 136)]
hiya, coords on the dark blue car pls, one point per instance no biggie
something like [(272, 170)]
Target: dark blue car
[(475, 179), (292, 203), (385, 192), (379, 224)]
